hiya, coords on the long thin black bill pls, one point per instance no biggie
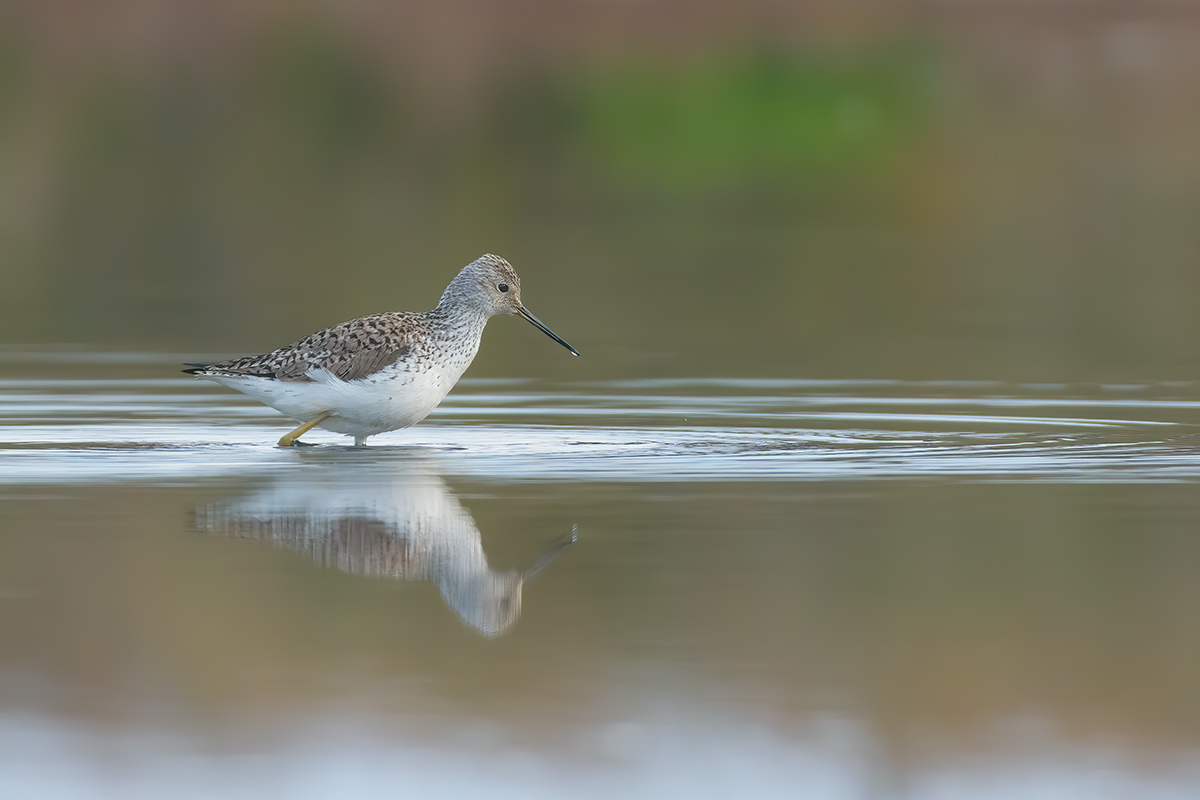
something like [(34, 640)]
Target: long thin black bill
[(527, 315)]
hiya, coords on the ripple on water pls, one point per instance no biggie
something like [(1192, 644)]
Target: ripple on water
[(65, 428)]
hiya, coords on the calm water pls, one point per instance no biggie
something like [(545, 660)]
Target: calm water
[(850, 589)]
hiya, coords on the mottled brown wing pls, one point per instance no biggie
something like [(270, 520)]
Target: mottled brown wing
[(351, 351), (352, 366)]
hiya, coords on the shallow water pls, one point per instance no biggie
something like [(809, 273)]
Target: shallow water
[(827, 589)]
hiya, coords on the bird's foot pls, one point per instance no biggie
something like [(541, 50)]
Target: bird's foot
[(292, 438)]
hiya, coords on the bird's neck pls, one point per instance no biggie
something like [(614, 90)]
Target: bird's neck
[(454, 318)]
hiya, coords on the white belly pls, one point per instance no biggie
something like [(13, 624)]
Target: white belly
[(389, 399)]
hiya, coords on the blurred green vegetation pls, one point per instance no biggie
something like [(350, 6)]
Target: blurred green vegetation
[(764, 121), (892, 205)]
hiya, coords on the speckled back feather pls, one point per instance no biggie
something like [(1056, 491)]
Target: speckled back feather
[(350, 350)]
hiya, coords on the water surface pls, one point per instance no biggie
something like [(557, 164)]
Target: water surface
[(837, 589)]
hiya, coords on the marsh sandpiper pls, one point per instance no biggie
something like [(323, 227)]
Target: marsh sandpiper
[(382, 372)]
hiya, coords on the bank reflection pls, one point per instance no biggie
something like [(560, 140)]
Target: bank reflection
[(399, 522)]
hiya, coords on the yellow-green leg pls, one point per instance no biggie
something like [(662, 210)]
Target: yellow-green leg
[(289, 440)]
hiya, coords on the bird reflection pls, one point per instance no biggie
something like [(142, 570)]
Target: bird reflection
[(388, 521)]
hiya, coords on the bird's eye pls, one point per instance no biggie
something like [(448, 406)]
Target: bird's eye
[(502, 287)]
